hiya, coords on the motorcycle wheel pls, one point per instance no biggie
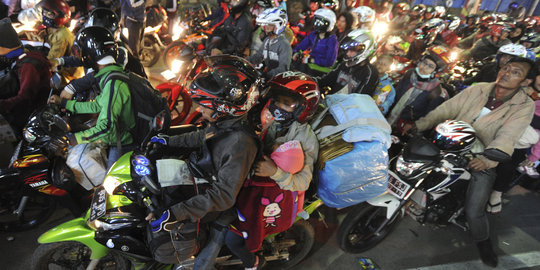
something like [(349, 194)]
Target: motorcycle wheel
[(72, 255), (180, 108), (355, 234), (149, 52), (172, 52), (38, 209), (297, 241)]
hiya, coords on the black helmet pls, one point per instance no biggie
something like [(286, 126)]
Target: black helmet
[(105, 18), (94, 43), (230, 86), (237, 6), (430, 10), (417, 11)]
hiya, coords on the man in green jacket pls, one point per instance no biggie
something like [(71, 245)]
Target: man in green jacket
[(499, 112), (98, 51)]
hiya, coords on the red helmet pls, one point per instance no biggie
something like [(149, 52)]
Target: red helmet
[(55, 12), (498, 28), (403, 8), (300, 86), (440, 55), (488, 19)]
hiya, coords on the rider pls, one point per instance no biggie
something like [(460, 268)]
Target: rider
[(219, 14), (489, 45), (234, 35), (276, 51), (134, 19), (98, 50), (227, 147), (365, 17), (33, 72), (499, 112), (401, 19), (489, 71), (56, 14), (419, 91), (323, 45), (294, 99), (423, 37), (355, 74)]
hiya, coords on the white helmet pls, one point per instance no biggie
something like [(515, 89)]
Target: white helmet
[(440, 11), (513, 49), (454, 136), (273, 16), (365, 14), (361, 41), (324, 20)]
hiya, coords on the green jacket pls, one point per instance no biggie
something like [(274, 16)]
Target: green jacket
[(114, 108)]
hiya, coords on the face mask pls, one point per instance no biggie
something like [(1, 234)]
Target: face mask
[(425, 77), (281, 116)]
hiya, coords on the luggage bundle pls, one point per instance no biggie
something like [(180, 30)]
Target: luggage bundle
[(354, 139)]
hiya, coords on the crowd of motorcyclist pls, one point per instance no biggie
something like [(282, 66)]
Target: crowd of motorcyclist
[(337, 50)]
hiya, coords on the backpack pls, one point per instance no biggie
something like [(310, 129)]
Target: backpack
[(9, 78), (146, 103)]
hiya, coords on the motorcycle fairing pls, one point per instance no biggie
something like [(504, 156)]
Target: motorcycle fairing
[(386, 200)]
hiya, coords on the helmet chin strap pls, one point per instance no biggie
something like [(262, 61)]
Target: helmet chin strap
[(422, 76)]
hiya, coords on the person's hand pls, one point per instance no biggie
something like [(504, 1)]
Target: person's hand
[(477, 164), (265, 168), (162, 139), (55, 99), (160, 222), (406, 128), (66, 95)]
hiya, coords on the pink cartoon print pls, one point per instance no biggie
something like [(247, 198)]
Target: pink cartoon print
[(272, 210)]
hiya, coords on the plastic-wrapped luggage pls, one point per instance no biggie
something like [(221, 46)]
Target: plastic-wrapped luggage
[(353, 159)]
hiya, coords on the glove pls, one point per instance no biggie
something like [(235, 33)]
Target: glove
[(163, 222), (160, 139)]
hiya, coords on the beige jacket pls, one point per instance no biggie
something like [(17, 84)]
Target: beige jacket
[(61, 39), (499, 129)]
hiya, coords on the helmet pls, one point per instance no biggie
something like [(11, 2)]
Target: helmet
[(454, 136), (237, 6), (55, 13), (531, 21), (301, 87), (93, 44), (440, 11), (324, 20), (403, 8), (361, 41), (488, 19), (429, 30), (103, 17), (532, 38), (440, 55), (364, 14), (331, 4), (474, 17), (497, 29), (430, 10), (230, 86), (513, 49), (417, 11), (452, 21), (512, 6), (265, 3), (273, 16)]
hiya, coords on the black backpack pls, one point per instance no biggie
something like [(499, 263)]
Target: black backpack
[(146, 103), (9, 78)]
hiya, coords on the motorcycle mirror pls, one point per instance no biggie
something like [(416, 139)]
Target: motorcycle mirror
[(61, 123), (496, 155), (56, 81), (158, 122), (150, 185)]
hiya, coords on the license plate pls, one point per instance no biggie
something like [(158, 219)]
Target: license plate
[(397, 187), (99, 203)]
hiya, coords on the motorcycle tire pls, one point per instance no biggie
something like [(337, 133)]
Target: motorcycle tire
[(172, 52), (355, 234), (150, 52), (180, 109), (39, 209), (303, 235), (73, 255)]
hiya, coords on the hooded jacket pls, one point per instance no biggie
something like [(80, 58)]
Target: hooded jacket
[(276, 54), (360, 79), (501, 128), (232, 157)]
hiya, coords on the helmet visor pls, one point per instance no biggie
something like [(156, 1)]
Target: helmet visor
[(352, 45), (320, 24)]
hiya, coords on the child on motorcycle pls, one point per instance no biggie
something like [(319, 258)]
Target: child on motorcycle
[(385, 93), (269, 201), (321, 43), (275, 51)]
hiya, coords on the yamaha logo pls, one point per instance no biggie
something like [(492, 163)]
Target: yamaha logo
[(125, 248)]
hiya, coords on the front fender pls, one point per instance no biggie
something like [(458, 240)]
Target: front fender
[(75, 230), (386, 200)]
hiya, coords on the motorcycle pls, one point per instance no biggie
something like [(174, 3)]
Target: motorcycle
[(38, 175), (113, 231), (425, 182)]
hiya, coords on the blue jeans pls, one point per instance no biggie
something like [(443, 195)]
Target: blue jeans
[(114, 154), (478, 192)]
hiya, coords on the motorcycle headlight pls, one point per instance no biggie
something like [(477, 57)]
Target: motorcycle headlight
[(406, 168), (176, 65), (379, 28), (29, 135), (178, 29), (110, 183)]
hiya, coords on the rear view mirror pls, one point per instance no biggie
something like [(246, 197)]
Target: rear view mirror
[(497, 155), (56, 81), (158, 123)]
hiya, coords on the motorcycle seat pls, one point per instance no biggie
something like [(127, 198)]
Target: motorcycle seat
[(420, 150)]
